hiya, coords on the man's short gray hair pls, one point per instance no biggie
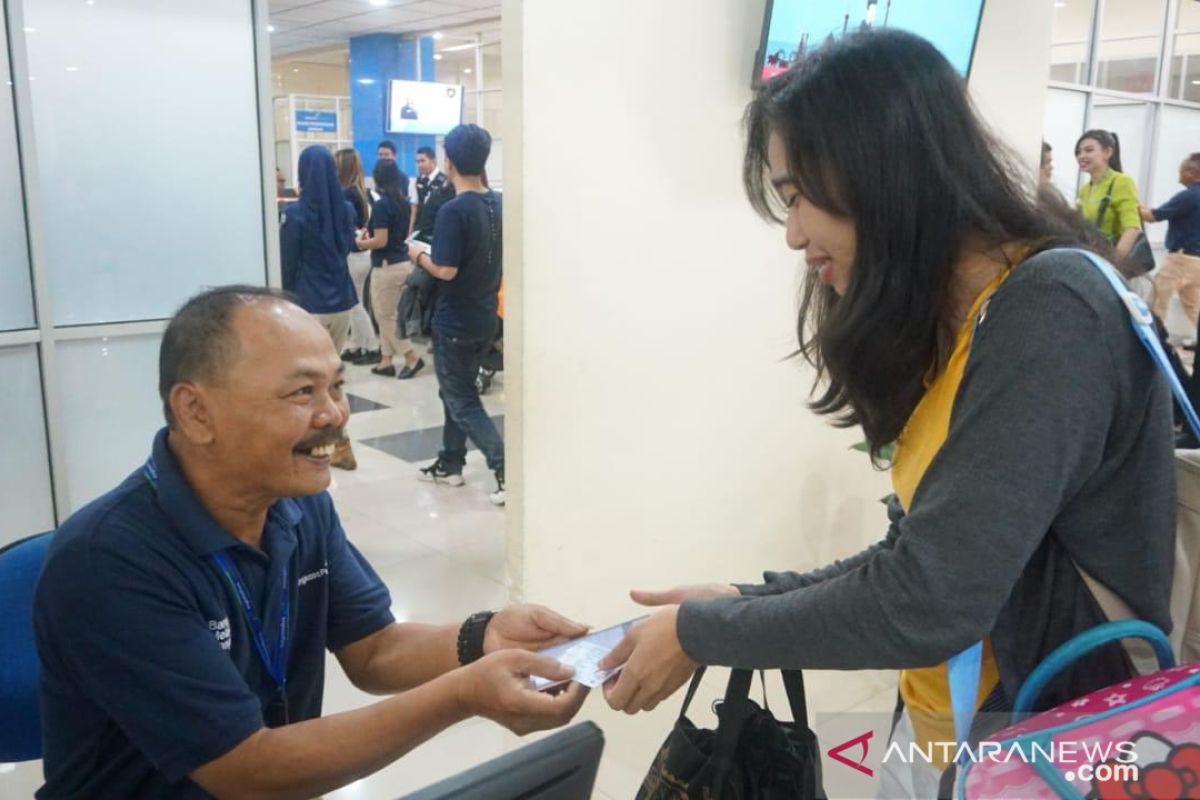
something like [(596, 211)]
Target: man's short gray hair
[(199, 343)]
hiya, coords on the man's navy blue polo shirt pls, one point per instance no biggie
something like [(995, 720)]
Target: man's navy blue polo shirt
[(1182, 213), (148, 668)]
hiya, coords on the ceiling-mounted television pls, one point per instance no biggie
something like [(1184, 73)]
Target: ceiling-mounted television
[(424, 107), (794, 28)]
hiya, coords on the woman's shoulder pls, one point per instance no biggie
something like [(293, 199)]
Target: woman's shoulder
[(1068, 270), (1123, 180)]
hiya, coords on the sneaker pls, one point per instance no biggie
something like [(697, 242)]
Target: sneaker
[(438, 472), (497, 497), (367, 357), (411, 372)]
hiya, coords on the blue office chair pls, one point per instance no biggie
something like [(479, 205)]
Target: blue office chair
[(20, 566)]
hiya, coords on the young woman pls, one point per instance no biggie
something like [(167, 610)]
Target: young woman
[(363, 345), (1033, 433), (1110, 199), (390, 266)]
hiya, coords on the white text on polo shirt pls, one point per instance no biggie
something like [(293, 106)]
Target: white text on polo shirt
[(312, 576), (220, 631)]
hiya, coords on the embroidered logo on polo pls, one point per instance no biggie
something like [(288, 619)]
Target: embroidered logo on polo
[(312, 576), (220, 632)]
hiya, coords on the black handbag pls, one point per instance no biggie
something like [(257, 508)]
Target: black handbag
[(750, 756), (1140, 258)]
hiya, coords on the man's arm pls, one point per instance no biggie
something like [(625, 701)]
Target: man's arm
[(400, 656), (423, 260), (310, 758)]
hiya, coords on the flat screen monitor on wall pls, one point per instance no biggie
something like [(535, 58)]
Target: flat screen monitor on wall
[(793, 28), (424, 107)]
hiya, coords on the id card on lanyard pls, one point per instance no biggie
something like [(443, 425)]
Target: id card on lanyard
[(274, 660)]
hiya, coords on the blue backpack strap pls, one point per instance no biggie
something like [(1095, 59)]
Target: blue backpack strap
[(1143, 326), (962, 671)]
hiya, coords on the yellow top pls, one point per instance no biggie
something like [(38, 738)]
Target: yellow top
[(926, 691), (1122, 213)]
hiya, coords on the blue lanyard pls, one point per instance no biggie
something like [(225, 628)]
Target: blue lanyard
[(275, 661)]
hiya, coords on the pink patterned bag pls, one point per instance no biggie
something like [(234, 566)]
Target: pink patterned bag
[(1138, 740)]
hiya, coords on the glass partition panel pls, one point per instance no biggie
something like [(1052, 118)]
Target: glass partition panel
[(146, 118)]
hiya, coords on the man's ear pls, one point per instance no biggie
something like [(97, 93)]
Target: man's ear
[(190, 407)]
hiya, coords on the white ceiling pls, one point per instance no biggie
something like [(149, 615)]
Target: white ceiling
[(302, 25)]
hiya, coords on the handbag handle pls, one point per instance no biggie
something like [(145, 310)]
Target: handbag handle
[(1075, 648), (739, 686)]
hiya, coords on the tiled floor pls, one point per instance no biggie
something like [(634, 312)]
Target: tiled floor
[(441, 552)]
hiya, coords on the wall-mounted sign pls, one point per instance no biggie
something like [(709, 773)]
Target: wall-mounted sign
[(316, 121)]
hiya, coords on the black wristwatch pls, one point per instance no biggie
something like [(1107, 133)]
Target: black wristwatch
[(470, 637)]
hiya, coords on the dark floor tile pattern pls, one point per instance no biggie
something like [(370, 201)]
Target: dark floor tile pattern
[(421, 445), (358, 404)]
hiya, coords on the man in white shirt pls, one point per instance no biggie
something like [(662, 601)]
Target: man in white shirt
[(429, 179)]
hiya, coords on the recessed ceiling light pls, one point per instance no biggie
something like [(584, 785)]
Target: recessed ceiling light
[(366, 81), (438, 35), (270, 29), (1195, 83), (72, 69), (31, 30), (437, 56), (378, 2), (468, 70), (295, 69)]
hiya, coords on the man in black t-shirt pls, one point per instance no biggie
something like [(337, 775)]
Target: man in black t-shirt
[(466, 258)]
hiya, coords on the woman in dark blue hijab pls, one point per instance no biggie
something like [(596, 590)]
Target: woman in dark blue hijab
[(316, 234)]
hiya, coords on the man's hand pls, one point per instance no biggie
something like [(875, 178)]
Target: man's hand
[(1147, 214), (497, 687), (414, 253), (655, 664), (528, 627)]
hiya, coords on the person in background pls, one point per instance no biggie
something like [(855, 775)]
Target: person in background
[(1181, 269), (152, 598), (1049, 197), (283, 195), (386, 151), (316, 235), (948, 314), (363, 344), (467, 259), (429, 180), (386, 232), (1110, 199)]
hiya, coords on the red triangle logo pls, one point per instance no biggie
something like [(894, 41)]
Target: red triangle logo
[(836, 753)]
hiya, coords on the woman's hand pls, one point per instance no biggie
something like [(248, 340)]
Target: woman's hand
[(682, 594), (655, 664)]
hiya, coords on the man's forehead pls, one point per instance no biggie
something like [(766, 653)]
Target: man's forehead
[(281, 331)]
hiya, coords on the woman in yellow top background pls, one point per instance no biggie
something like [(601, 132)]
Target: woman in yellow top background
[(1099, 155)]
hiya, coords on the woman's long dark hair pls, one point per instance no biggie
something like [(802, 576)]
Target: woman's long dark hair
[(391, 183), (1107, 140), (878, 130)]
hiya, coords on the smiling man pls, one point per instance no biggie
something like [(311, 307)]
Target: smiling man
[(182, 618)]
